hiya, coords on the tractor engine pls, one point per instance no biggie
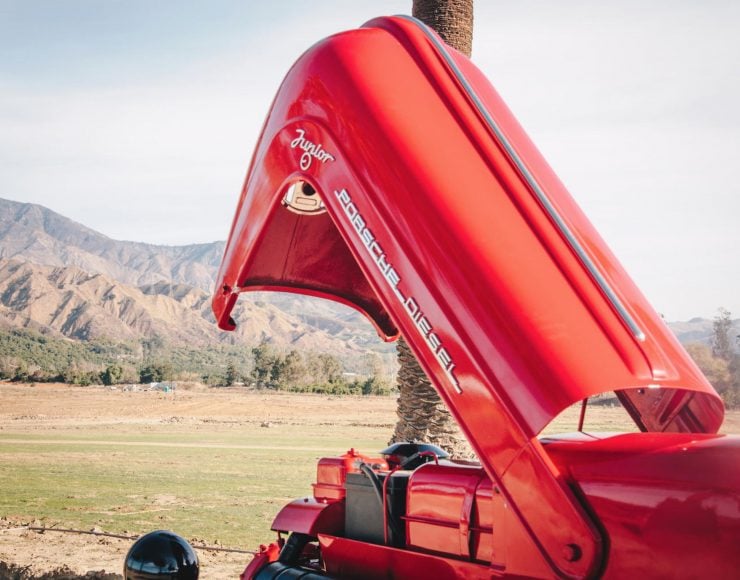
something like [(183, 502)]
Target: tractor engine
[(391, 501), (415, 513)]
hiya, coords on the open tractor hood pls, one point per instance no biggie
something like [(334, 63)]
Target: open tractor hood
[(391, 177)]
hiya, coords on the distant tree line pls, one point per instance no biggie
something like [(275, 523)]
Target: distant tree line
[(720, 362), (28, 356), (309, 372)]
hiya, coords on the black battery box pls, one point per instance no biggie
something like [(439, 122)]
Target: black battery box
[(363, 516)]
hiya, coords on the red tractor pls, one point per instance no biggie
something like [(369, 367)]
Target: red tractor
[(390, 176)]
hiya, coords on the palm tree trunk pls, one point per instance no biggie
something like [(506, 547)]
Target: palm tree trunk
[(422, 416), (451, 19)]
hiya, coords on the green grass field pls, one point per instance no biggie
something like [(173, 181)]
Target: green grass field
[(205, 471), (215, 486)]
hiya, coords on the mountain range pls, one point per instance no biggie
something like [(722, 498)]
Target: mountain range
[(33, 233), (64, 279)]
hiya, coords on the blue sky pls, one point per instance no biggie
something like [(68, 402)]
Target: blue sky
[(137, 118)]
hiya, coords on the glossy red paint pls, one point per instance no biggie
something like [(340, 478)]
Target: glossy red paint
[(433, 193), (445, 223), (670, 503), (265, 555), (439, 510), (361, 561), (331, 473), (308, 516)]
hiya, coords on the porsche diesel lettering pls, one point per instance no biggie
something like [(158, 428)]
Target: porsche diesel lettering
[(412, 308)]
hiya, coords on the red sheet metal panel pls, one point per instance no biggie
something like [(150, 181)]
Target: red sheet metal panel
[(362, 561), (309, 516), (448, 513), (331, 474), (444, 223), (670, 503)]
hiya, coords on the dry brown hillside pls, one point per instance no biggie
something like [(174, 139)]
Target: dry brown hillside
[(70, 302), (33, 233)]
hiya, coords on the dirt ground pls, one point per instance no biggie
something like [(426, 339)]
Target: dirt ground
[(33, 554), (44, 410)]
